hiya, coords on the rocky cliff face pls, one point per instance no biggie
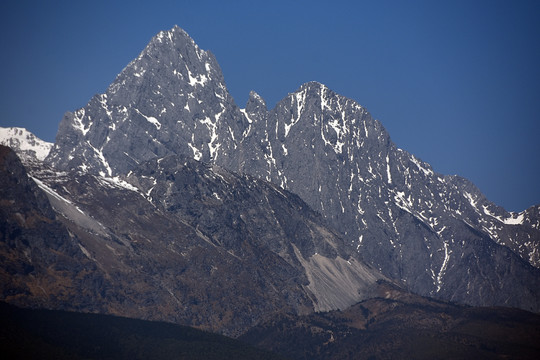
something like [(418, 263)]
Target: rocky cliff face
[(244, 214), (177, 240), (436, 234), (171, 99), (42, 266)]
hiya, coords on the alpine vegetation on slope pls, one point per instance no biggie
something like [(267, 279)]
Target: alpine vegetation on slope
[(400, 325), (438, 235), (60, 335)]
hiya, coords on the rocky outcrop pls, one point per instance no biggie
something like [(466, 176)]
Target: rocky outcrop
[(42, 266), (171, 99), (182, 241), (437, 235)]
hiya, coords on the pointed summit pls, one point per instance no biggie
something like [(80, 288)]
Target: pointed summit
[(171, 99), (176, 34), (173, 57), (178, 31), (313, 85), (178, 42)]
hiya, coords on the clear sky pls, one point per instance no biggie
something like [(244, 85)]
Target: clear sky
[(456, 83)]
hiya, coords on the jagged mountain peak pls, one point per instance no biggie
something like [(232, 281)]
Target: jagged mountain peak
[(176, 31), (319, 90), (313, 85), (256, 98), (27, 146), (176, 39), (324, 106), (171, 99), (255, 105), (392, 209), (175, 57)]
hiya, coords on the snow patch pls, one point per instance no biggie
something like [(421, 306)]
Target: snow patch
[(404, 203), (427, 172), (299, 99), (23, 141), (77, 122), (212, 127), (117, 182), (514, 219), (197, 154), (197, 80), (471, 199), (388, 169), (443, 266), (102, 159), (150, 119)]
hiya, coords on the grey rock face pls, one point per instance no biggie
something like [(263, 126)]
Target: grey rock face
[(436, 234), (243, 213), (182, 241), (171, 99), (41, 264)]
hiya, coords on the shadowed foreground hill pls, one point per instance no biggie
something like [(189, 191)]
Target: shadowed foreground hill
[(46, 334), (400, 325)]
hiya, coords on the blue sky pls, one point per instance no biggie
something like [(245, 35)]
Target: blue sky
[(456, 83)]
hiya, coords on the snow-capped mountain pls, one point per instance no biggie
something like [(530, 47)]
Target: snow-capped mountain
[(436, 234), (26, 145), (171, 99)]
